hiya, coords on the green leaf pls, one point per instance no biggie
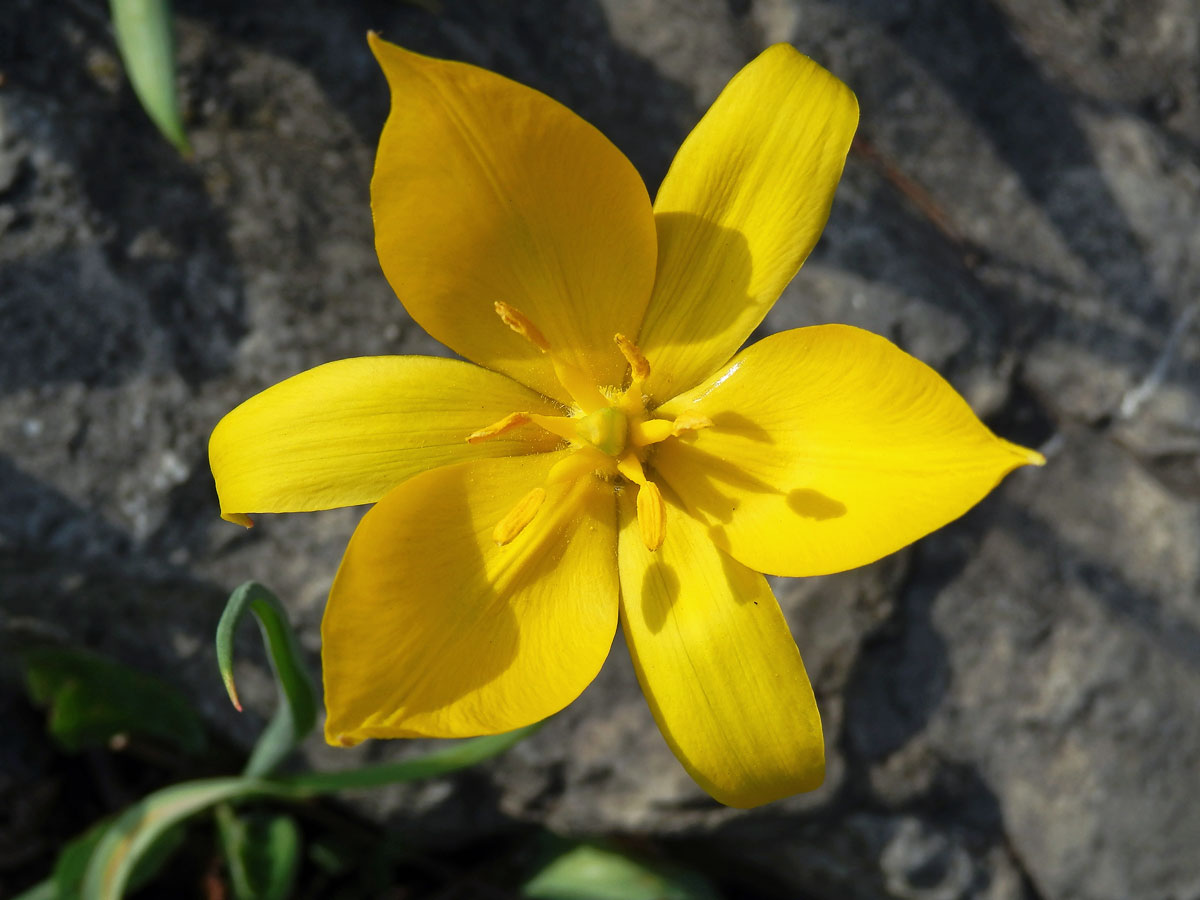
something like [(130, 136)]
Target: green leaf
[(143, 30), (133, 834), (43, 890), (263, 853), (588, 872), (92, 699), (297, 710), (67, 878), (128, 838), (460, 755)]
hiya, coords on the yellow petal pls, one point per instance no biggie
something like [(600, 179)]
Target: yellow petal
[(719, 668), (434, 630), (486, 190), (830, 447), (741, 207), (349, 431)]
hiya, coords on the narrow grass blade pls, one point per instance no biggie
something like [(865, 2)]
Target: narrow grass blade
[(143, 29), (460, 755), (297, 711)]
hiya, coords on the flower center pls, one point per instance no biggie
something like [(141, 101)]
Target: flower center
[(606, 429), (610, 437)]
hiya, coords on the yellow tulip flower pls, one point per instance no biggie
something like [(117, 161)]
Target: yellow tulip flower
[(612, 456)]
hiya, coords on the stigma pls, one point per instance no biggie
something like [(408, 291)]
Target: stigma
[(611, 431)]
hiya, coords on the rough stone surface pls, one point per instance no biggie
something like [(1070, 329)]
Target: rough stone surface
[(1010, 707)]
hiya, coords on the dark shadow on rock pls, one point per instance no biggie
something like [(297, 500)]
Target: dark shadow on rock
[(1109, 586), (163, 242), (971, 51), (68, 318), (564, 49), (37, 519), (902, 671), (941, 841)]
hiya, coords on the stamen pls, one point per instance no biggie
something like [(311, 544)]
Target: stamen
[(651, 513), (563, 426), (519, 516), (638, 366), (577, 465), (651, 510), (651, 431), (655, 431), (581, 388), (518, 322), (508, 423)]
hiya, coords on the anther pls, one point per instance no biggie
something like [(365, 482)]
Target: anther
[(689, 421), (638, 367), (651, 513), (518, 517), (508, 423), (578, 385), (519, 322)]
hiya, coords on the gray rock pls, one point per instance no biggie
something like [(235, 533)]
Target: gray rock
[(1010, 706)]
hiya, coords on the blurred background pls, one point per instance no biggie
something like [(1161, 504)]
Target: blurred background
[(1011, 707)]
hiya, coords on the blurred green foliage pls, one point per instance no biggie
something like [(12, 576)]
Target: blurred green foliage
[(145, 39), (93, 700)]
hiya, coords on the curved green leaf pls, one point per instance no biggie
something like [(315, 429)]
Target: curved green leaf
[(135, 831), (297, 711), (147, 46)]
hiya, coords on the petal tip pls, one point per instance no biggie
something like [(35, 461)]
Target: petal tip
[(375, 41), (337, 738), (1028, 457), (238, 519), (761, 794)]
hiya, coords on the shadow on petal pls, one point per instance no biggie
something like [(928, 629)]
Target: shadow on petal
[(815, 505)]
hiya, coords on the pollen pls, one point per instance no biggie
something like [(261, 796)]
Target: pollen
[(518, 517)]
